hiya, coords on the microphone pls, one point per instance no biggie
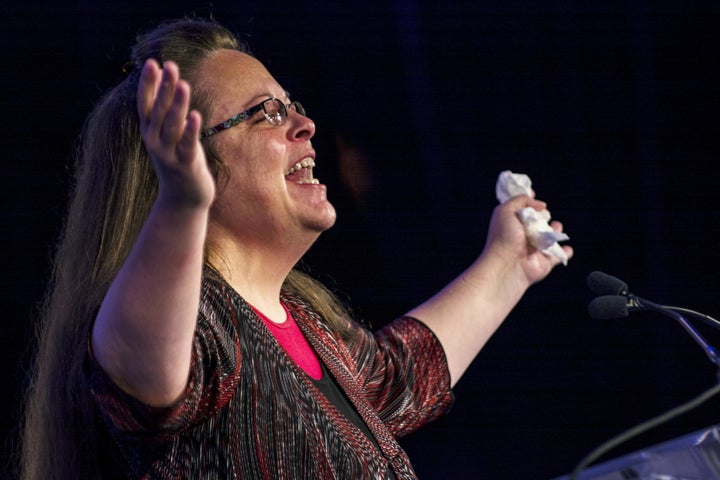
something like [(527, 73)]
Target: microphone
[(603, 284), (616, 301), (606, 309), (609, 307)]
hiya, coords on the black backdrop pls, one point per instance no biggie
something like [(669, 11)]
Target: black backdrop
[(610, 107)]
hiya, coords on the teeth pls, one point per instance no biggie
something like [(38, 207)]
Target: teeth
[(305, 163)]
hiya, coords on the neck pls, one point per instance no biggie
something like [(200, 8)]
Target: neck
[(256, 273)]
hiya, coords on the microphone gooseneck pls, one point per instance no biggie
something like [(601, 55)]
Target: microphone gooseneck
[(709, 351), (614, 300)]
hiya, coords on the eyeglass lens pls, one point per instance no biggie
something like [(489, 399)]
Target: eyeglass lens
[(276, 112)]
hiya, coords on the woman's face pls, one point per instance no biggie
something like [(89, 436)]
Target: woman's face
[(271, 194)]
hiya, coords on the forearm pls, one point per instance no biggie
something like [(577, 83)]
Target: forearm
[(143, 332), (466, 313)]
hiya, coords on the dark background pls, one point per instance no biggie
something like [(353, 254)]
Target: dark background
[(610, 107)]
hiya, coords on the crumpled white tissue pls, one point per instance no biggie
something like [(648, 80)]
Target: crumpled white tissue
[(537, 227)]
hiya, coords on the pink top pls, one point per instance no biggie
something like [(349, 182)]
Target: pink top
[(291, 338)]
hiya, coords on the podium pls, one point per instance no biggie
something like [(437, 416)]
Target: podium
[(695, 456)]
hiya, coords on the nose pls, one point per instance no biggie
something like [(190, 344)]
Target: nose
[(301, 127)]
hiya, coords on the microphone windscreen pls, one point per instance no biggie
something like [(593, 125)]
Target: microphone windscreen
[(608, 307), (603, 284)]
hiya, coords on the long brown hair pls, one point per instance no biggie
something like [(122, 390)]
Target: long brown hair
[(114, 188)]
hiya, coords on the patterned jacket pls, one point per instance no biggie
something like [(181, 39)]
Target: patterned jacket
[(249, 412)]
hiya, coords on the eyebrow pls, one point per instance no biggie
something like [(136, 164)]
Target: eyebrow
[(267, 95)]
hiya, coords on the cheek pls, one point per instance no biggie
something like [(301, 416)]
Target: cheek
[(251, 185), (254, 160)]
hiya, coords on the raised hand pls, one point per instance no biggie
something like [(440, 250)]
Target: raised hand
[(171, 132)]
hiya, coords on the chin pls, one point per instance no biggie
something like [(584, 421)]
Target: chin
[(328, 219)]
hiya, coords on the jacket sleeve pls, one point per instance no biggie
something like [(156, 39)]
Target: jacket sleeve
[(404, 373), (212, 380)]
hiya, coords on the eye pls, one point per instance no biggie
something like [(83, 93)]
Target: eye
[(259, 117), (275, 118)]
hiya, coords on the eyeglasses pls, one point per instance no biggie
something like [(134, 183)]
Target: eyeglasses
[(274, 109)]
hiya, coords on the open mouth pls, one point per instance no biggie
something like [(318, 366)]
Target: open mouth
[(302, 172)]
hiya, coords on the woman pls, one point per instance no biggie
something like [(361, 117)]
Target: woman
[(179, 341)]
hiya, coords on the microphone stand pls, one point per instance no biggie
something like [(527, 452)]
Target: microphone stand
[(643, 427), (635, 302)]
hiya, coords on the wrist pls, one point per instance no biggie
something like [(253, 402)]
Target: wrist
[(501, 268)]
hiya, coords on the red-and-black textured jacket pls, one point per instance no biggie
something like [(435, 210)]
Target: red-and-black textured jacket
[(250, 412)]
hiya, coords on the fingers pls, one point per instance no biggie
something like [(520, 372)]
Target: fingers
[(163, 103), (147, 88), (162, 116), (189, 139), (172, 113), (521, 201), (162, 98), (171, 135)]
